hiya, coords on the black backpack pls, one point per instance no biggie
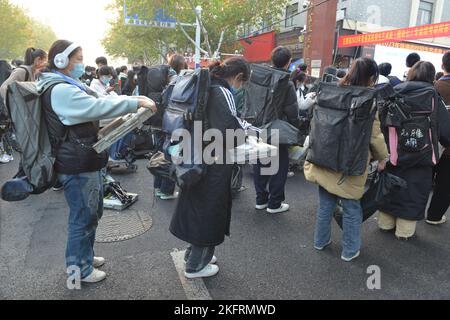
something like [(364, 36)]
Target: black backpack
[(341, 128), (409, 121), (152, 83), (187, 102), (265, 94)]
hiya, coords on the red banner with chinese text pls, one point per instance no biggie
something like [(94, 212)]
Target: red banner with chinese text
[(422, 32)]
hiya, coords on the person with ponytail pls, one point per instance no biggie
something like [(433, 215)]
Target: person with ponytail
[(35, 61), (203, 214)]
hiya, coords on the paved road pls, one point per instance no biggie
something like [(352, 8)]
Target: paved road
[(267, 257)]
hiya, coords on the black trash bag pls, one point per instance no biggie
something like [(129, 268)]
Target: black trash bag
[(383, 184)]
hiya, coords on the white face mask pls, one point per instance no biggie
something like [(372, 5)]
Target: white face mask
[(106, 80)]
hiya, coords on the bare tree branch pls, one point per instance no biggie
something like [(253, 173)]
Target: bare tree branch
[(191, 40), (220, 44)]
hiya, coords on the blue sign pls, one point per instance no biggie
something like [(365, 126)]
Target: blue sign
[(159, 20)]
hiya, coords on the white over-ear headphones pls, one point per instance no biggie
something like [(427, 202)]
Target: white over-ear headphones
[(62, 59)]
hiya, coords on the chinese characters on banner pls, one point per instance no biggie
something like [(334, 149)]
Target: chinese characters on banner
[(422, 32)]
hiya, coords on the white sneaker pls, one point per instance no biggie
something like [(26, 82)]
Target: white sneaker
[(5, 158), (209, 271), (169, 196), (322, 248), (284, 207), (352, 258), (435, 223), (98, 262), (262, 206), (95, 276)]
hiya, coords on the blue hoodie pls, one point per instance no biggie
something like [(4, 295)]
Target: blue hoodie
[(74, 106)]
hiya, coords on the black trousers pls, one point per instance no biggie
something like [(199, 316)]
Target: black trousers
[(441, 197), (270, 189)]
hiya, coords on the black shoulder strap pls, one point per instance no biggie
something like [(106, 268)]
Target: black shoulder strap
[(27, 77)]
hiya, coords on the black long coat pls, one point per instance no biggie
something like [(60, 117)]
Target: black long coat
[(411, 203), (203, 213)]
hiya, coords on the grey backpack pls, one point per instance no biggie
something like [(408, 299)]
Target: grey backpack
[(23, 101)]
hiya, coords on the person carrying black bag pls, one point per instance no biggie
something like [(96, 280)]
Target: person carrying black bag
[(270, 190), (203, 214)]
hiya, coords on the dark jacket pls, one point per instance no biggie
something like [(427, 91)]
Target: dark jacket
[(72, 145), (394, 81), (443, 87), (289, 108), (203, 213), (410, 203)]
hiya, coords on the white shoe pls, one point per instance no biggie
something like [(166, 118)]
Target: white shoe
[(262, 206), (209, 271), (5, 158), (95, 276), (169, 196), (352, 258), (435, 223), (284, 207), (98, 262), (322, 248)]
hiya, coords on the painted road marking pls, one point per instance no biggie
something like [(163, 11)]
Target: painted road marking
[(195, 289)]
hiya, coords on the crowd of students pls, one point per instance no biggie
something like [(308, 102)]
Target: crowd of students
[(202, 217)]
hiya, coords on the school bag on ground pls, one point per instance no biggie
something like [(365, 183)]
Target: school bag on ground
[(341, 128), (410, 125), (23, 101)]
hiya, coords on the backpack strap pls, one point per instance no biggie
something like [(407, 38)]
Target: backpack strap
[(27, 77), (46, 90)]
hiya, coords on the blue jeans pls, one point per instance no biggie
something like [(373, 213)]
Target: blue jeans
[(352, 220), (84, 195)]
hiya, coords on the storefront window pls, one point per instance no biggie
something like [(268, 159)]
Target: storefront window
[(425, 15)]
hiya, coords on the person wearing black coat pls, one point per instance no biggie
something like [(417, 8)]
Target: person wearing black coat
[(270, 190), (203, 214), (407, 206)]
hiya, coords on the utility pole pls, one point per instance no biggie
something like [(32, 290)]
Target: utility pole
[(198, 39)]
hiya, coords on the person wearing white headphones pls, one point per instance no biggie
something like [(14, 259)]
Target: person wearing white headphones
[(71, 109)]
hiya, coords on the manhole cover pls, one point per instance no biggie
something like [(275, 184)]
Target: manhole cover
[(120, 226)]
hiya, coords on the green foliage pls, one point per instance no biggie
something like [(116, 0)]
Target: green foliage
[(18, 32), (147, 44)]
